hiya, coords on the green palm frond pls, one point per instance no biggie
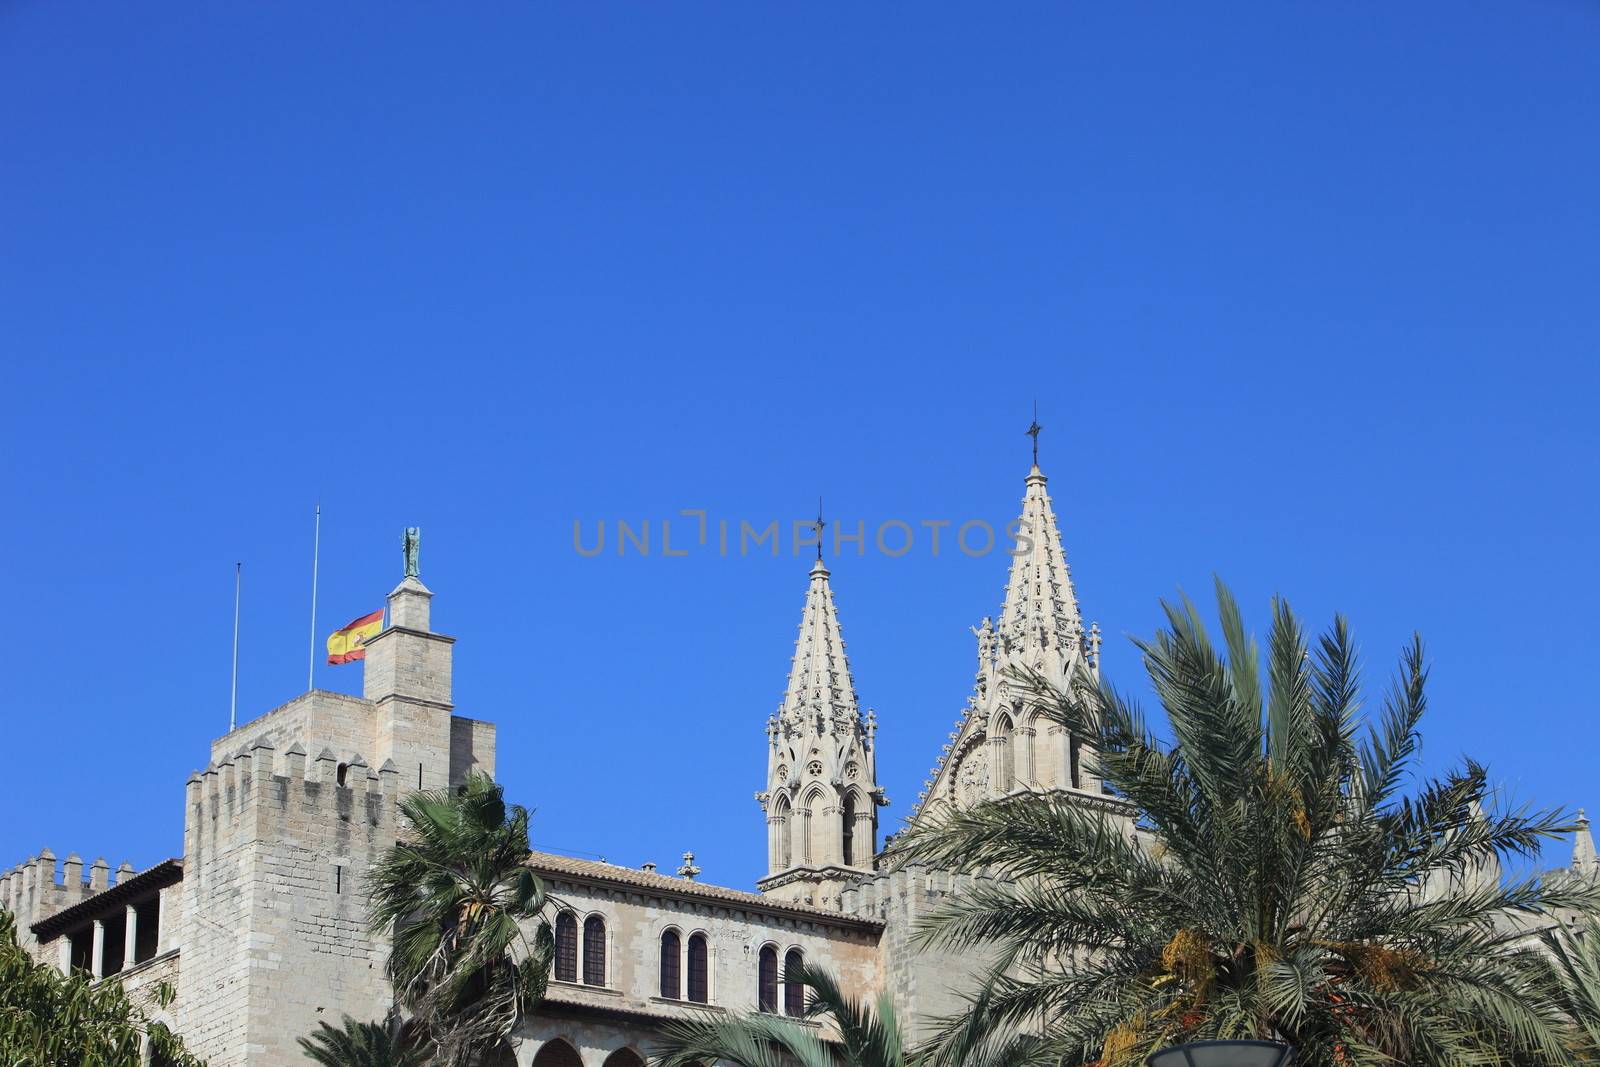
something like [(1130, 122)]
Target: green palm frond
[(1267, 868), (868, 1034), (359, 1044), (744, 1041), (1575, 959), (457, 901)]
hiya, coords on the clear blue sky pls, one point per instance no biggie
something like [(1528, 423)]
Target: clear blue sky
[(1306, 294)]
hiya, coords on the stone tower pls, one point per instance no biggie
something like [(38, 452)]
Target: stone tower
[(281, 829), (822, 797), (407, 675), (1000, 745)]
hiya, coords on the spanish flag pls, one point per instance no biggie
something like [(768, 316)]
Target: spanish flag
[(350, 643)]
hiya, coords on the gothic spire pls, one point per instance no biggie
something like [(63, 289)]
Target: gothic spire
[(819, 678), (822, 797), (1041, 609)]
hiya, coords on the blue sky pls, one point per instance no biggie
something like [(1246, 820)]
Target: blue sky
[(1305, 293)]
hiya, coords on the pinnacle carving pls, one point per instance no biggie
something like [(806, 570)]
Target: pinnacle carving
[(1039, 627)]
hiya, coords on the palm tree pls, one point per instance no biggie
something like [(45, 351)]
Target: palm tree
[(868, 1036), (47, 1017), (1575, 960), (1262, 874), (359, 1044), (453, 894)]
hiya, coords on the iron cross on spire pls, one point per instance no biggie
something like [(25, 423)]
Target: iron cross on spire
[(819, 524), (1033, 432)]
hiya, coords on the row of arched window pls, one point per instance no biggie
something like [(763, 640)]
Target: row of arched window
[(675, 963), (1033, 764), (801, 839), (768, 980), (557, 1053), (591, 952), (685, 965)]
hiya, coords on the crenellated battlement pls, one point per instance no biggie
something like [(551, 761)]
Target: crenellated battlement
[(902, 893), (260, 781), (278, 838), (37, 888)]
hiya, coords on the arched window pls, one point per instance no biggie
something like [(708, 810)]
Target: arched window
[(782, 854), (624, 1057), (699, 988), (594, 951), (794, 994), (1027, 758), (671, 948), (849, 830), (566, 947), (811, 827), (557, 1053), (1075, 768), (767, 980), (1005, 765)]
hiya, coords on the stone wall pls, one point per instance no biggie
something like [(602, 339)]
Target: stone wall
[(317, 720), (471, 747), (594, 1036), (735, 931), (925, 983), (32, 892), (142, 980), (273, 932)]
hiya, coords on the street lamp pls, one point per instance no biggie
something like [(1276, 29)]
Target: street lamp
[(1224, 1054)]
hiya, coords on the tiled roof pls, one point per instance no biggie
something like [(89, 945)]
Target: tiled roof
[(547, 862)]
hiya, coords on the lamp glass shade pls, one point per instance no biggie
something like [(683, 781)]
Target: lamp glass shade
[(1224, 1054)]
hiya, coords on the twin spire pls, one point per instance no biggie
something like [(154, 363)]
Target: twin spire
[(1040, 613), (1040, 610), (819, 678)]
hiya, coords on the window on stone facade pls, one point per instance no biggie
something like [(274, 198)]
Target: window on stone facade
[(148, 933), (82, 948), (848, 830), (566, 947), (670, 948), (116, 935), (767, 980), (1005, 759), (813, 831), (782, 820), (699, 988), (594, 951), (794, 994)]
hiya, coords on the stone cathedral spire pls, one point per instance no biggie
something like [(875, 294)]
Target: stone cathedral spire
[(1000, 744), (822, 797), (1040, 625)]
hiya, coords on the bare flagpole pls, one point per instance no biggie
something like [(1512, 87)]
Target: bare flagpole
[(311, 656), (233, 701)]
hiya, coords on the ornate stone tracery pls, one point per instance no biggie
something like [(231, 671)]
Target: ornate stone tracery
[(810, 847)]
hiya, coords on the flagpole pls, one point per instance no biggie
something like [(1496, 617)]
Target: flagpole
[(311, 654), (233, 700)]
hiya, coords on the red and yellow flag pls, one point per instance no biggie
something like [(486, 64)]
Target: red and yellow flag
[(351, 642)]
